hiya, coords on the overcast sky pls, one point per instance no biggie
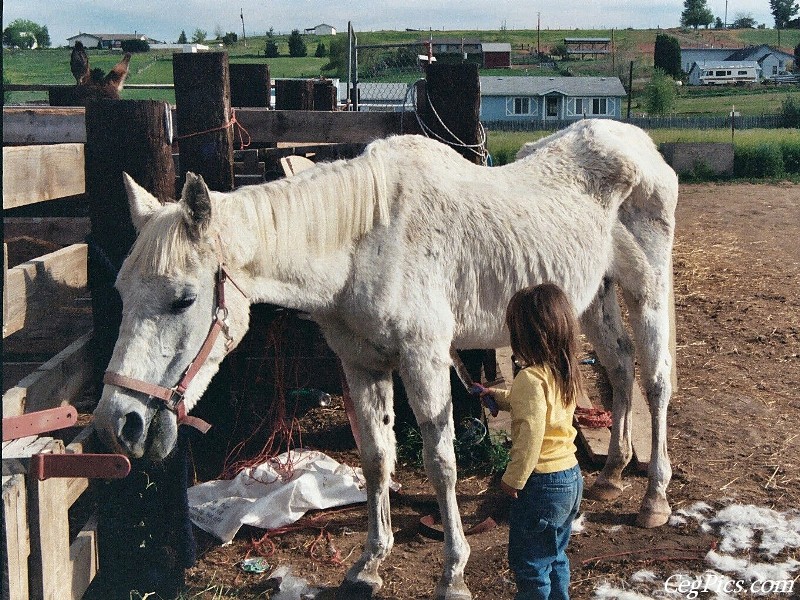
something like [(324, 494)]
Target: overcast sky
[(164, 19)]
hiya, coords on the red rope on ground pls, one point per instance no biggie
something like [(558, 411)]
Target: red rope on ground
[(593, 417)]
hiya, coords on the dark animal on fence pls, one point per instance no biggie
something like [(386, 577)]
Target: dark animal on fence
[(90, 84), (400, 255)]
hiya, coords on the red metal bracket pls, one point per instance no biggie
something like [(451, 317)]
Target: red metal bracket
[(39, 422), (100, 466)]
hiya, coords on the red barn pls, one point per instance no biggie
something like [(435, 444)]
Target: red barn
[(496, 56)]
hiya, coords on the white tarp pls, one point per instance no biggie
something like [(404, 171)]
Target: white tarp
[(275, 493)]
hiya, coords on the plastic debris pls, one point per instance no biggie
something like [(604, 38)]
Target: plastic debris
[(255, 564)]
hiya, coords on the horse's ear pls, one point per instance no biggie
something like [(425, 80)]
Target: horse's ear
[(196, 203), (141, 202)]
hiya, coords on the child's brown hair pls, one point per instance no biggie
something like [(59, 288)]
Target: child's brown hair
[(544, 330)]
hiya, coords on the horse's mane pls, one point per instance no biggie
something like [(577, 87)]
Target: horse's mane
[(309, 214)]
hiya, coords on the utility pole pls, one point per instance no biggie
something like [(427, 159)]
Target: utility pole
[(244, 37), (538, 35), (725, 24)]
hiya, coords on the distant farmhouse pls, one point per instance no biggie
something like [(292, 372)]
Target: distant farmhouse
[(550, 98), (107, 40), (321, 29), (708, 66), (488, 55)]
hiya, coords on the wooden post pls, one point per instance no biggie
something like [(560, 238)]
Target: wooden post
[(450, 105), (326, 96), (129, 136), (205, 132), (294, 94), (250, 85)]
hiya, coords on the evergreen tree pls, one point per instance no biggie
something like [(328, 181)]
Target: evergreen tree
[(182, 39), (337, 57), (297, 47), (667, 55), (321, 51), (271, 48), (783, 11), (696, 13)]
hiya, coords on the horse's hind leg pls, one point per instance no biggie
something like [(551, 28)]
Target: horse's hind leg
[(372, 401), (649, 318), (603, 326), (427, 382)]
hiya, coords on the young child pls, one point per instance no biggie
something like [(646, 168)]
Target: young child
[(543, 476)]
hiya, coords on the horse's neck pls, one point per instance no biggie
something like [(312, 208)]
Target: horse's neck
[(295, 238)]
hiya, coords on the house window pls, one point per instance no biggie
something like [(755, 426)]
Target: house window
[(551, 106), (578, 106), (774, 69), (742, 72), (522, 106), (599, 106)]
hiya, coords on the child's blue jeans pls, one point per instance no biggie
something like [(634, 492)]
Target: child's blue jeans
[(540, 523)]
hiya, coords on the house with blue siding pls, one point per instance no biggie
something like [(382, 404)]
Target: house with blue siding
[(550, 98), (772, 62)]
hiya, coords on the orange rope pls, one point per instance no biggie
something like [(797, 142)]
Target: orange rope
[(233, 121)]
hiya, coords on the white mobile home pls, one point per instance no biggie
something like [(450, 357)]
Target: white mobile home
[(725, 73)]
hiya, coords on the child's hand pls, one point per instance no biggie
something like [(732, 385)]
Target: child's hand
[(508, 490), (486, 397)]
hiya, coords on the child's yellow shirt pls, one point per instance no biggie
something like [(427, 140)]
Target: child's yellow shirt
[(542, 434)]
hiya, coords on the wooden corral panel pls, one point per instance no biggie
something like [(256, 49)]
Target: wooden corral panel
[(34, 174), (44, 125), (61, 380), (32, 287), (56, 568)]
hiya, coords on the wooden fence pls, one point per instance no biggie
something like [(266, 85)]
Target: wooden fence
[(39, 297)]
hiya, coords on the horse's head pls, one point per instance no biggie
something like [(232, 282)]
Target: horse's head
[(174, 296)]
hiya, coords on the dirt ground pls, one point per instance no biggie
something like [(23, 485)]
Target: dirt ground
[(733, 430)]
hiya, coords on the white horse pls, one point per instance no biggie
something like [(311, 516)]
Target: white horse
[(398, 255)]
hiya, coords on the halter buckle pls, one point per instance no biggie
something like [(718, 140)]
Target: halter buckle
[(174, 401)]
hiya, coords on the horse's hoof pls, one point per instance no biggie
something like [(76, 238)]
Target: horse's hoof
[(603, 490), (454, 591), (356, 590), (653, 513)]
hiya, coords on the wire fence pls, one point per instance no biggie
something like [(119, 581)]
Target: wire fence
[(776, 121)]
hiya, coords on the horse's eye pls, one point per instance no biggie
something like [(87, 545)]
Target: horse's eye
[(182, 303)]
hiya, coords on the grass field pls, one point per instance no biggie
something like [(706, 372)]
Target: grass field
[(52, 65)]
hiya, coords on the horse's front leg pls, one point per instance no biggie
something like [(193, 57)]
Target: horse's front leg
[(427, 385), (372, 399)]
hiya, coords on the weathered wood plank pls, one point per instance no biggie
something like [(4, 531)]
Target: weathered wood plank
[(33, 290), (61, 380), (43, 125), (50, 566), (34, 174), (83, 558), (17, 537), (265, 125), (65, 125), (62, 231)]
